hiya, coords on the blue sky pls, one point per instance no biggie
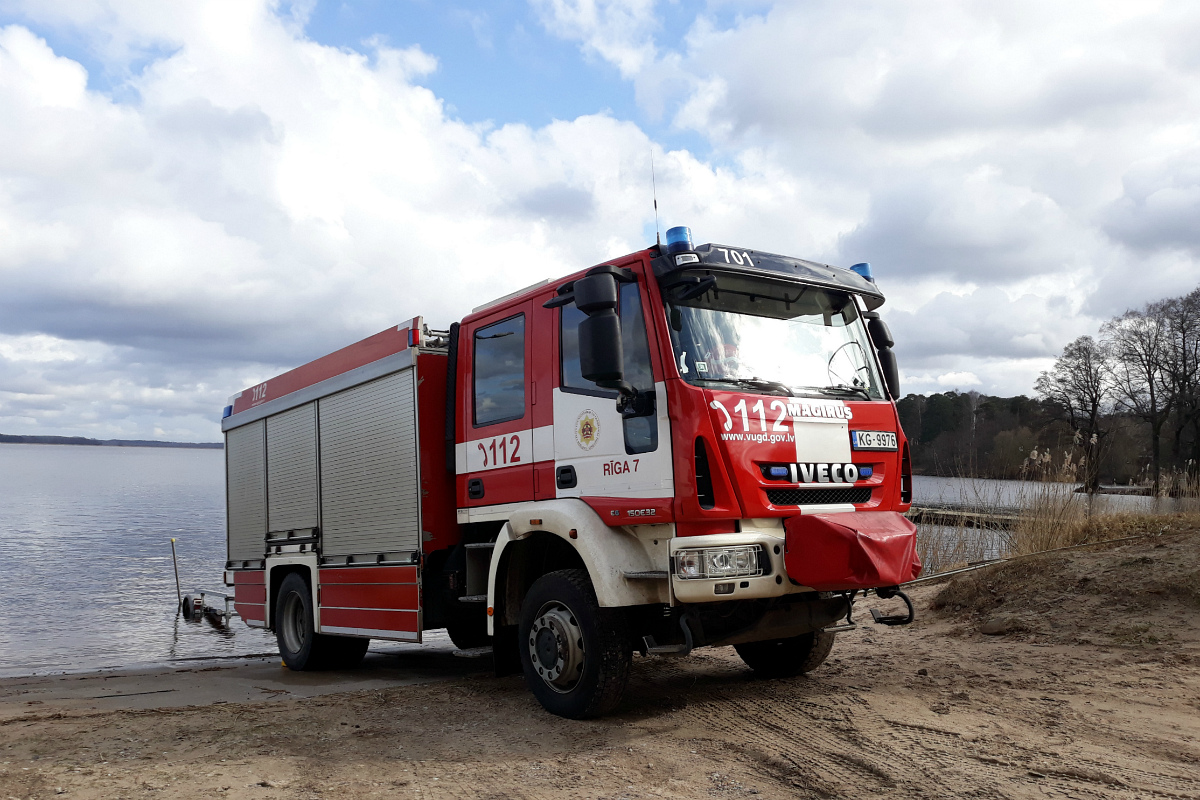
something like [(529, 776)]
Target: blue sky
[(496, 61), (196, 196)]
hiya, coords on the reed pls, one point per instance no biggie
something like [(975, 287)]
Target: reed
[(1048, 515)]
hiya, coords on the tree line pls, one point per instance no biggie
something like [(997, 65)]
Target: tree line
[(1120, 407)]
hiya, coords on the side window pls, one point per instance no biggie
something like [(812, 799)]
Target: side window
[(499, 371), (633, 342), (633, 339), (641, 433)]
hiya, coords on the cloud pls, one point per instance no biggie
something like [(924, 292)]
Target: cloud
[(618, 31), (244, 198)]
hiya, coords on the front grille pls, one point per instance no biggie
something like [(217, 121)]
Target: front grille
[(814, 497)]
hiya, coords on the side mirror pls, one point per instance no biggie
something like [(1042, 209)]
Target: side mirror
[(881, 337), (881, 334), (601, 354), (891, 371)]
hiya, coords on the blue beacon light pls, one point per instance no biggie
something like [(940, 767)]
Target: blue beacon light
[(863, 269), (679, 239)]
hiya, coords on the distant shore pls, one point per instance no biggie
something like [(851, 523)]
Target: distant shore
[(83, 440)]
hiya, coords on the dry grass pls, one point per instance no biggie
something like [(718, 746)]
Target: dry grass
[(1037, 517)]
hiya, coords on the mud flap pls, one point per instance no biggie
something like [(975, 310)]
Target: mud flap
[(851, 550)]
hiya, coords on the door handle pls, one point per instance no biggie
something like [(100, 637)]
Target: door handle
[(475, 489), (564, 478)]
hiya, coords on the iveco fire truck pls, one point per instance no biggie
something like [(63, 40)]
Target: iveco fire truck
[(686, 446)]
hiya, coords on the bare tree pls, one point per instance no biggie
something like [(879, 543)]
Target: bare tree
[(1139, 348), (1080, 386), (1182, 368)]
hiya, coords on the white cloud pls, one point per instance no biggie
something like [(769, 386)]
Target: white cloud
[(958, 379), (247, 199), (618, 31), (1044, 150)]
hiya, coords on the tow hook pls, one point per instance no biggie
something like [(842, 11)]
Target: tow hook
[(893, 619)]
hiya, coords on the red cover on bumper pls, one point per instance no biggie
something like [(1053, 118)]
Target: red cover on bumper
[(851, 550)]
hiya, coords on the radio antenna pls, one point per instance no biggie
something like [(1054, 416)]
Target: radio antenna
[(654, 194)]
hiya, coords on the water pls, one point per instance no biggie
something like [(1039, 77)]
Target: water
[(986, 493), (85, 540)]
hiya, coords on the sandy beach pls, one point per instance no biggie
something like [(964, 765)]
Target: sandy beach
[(1090, 688)]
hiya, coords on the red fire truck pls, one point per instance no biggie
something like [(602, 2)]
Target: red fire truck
[(686, 446)]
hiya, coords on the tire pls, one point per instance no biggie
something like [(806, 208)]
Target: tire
[(186, 607), (575, 655), (784, 658), (300, 647)]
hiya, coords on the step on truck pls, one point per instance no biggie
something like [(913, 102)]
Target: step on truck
[(687, 446)]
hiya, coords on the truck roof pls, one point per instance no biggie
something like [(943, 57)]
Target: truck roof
[(728, 258)]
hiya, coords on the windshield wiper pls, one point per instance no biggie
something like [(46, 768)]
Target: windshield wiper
[(757, 383), (843, 389)]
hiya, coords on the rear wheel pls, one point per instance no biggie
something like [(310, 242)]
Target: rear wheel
[(300, 646), (575, 654), (783, 658)]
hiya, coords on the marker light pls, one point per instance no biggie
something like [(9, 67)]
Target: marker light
[(679, 239), (863, 269)]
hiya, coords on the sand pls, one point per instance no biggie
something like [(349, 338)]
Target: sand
[(1091, 689)]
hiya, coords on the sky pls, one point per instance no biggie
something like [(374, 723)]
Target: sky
[(197, 196)]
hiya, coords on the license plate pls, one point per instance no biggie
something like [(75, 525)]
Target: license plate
[(873, 440)]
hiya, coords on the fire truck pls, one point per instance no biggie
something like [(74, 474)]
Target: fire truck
[(686, 446)]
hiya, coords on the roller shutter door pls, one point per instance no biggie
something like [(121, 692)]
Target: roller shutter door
[(292, 469), (370, 501), (245, 454)]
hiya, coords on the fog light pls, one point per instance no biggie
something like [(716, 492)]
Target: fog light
[(723, 588)]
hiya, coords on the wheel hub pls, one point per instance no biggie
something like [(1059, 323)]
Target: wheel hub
[(292, 623), (556, 647)]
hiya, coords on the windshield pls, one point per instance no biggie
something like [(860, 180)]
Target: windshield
[(773, 337)]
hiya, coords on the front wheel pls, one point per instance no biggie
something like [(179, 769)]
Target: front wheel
[(783, 658), (575, 655)]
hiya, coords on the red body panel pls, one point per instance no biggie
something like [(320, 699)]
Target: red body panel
[(369, 595), (839, 552), (370, 619), (370, 598), (368, 575), (438, 519), (250, 594), (632, 510)]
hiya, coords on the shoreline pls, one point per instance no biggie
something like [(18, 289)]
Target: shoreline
[(83, 441)]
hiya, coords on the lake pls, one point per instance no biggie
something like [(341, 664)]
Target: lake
[(85, 537)]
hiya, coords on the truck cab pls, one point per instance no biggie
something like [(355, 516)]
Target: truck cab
[(687, 446)]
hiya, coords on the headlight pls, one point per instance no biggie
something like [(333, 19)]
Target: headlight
[(718, 562)]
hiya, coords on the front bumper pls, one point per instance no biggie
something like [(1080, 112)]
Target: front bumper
[(832, 552)]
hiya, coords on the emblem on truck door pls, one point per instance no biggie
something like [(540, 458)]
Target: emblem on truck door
[(587, 429)]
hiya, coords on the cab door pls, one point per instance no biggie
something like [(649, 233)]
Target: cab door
[(495, 465), (599, 454)]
